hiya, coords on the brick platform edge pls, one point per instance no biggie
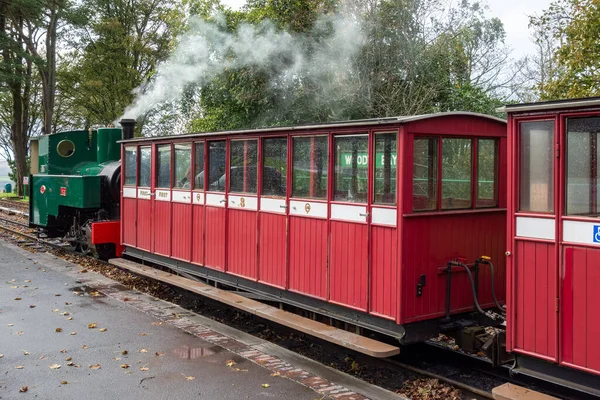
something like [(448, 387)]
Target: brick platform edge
[(178, 317), (509, 391)]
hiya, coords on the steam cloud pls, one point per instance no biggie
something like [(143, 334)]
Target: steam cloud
[(207, 50)]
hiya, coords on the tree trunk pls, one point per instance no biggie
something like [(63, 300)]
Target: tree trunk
[(48, 74)]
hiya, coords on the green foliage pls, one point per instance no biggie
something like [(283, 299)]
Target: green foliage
[(574, 24)]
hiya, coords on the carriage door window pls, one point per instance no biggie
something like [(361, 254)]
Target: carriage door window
[(130, 164), (242, 166), (385, 168), (199, 166), (183, 165), (425, 174), (274, 169), (163, 167), (537, 166), (582, 166), (217, 178), (487, 165), (351, 168), (309, 173), (145, 165)]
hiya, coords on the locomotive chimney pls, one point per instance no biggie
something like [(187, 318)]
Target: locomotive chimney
[(128, 126)]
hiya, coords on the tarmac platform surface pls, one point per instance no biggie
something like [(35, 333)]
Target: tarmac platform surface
[(71, 335)]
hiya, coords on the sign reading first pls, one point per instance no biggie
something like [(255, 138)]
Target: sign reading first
[(362, 160)]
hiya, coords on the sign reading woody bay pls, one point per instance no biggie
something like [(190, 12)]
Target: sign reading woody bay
[(362, 160)]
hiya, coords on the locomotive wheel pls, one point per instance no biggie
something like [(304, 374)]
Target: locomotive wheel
[(106, 251)]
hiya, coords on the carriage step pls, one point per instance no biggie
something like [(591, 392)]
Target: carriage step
[(322, 331)]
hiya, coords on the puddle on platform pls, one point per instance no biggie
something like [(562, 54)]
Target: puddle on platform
[(85, 290), (192, 353)]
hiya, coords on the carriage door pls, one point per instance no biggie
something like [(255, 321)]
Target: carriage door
[(272, 241), (144, 199), (535, 254), (129, 219), (181, 202), (580, 297), (162, 201), (348, 272), (216, 205)]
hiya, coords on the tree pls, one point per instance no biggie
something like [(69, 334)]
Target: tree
[(574, 26)]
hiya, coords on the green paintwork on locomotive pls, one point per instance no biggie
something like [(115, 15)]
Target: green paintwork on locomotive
[(76, 174)]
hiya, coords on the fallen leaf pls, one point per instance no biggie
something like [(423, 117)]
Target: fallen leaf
[(11, 324), (57, 295), (239, 370), (64, 382), (73, 333), (14, 287), (265, 385), (23, 389), (17, 298), (157, 323), (63, 351), (230, 363), (70, 363), (142, 350), (83, 271), (32, 306), (27, 280), (20, 333), (95, 366), (19, 367), (67, 304), (68, 358), (1, 355), (70, 319), (159, 354), (117, 358), (144, 368), (143, 334), (190, 378), (65, 313), (124, 366), (125, 298), (276, 373), (102, 330), (42, 357), (84, 347), (58, 330), (54, 366), (124, 352), (26, 353), (56, 310), (95, 294)]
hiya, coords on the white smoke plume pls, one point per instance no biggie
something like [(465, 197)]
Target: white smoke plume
[(207, 50)]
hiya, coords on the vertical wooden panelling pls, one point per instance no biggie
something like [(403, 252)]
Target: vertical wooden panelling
[(182, 231), (198, 234), (308, 256), (215, 238), (144, 224), (384, 268), (348, 279), (129, 222), (241, 249), (430, 242), (536, 316), (162, 227), (272, 249), (580, 322)]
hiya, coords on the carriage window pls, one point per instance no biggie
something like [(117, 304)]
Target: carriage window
[(217, 178), (183, 165), (199, 166), (163, 167), (537, 166), (242, 166), (309, 172), (486, 172), (385, 168), (425, 174), (145, 165), (583, 154), (457, 157), (274, 168), (130, 163), (351, 168)]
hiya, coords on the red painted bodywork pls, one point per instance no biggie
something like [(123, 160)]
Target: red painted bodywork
[(552, 293), (181, 238), (108, 232), (241, 243), (363, 266), (129, 218), (273, 245)]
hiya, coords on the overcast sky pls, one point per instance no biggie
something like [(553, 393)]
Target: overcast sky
[(513, 13)]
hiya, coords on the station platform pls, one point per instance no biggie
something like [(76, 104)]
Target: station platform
[(69, 334)]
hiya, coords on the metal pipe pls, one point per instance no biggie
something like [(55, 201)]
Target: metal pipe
[(128, 126), (488, 262)]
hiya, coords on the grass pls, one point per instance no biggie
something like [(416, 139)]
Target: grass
[(12, 196)]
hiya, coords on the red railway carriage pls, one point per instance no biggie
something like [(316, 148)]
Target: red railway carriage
[(355, 220), (554, 239)]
